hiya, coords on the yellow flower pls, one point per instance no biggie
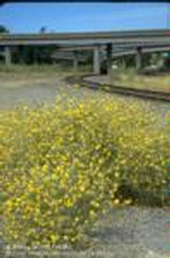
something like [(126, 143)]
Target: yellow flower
[(116, 201)]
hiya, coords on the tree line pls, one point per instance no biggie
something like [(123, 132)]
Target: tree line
[(31, 54)]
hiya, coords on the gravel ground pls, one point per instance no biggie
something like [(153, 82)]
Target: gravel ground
[(131, 232), (30, 94), (135, 232)]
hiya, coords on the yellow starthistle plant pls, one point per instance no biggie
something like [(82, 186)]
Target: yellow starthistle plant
[(62, 166)]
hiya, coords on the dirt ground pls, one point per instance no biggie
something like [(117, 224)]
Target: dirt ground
[(131, 232)]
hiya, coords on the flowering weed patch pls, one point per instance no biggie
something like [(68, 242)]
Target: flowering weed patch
[(63, 166)]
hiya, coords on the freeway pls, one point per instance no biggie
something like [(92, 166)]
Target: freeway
[(68, 53), (111, 41), (137, 37), (126, 52)]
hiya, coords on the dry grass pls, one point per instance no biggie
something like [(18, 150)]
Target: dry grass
[(18, 76), (130, 79)]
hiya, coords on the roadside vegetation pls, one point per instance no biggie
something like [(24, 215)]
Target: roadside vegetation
[(44, 71), (64, 166), (129, 78), (20, 76), (21, 69)]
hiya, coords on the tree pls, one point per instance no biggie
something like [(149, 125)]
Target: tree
[(3, 29), (43, 29)]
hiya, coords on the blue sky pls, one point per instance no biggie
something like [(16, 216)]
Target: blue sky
[(70, 17)]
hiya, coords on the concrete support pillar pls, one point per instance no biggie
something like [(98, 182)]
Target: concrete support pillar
[(75, 62), (7, 55), (109, 60), (21, 55), (35, 59), (96, 60), (138, 58)]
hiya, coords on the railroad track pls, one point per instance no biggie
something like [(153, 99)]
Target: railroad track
[(84, 81)]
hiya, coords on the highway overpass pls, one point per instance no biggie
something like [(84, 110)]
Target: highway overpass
[(127, 52), (116, 37), (110, 41), (69, 53)]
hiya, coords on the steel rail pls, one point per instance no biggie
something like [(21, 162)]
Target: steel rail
[(121, 90)]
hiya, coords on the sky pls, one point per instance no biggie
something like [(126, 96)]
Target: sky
[(77, 17)]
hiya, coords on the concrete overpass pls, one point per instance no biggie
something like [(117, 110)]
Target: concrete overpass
[(115, 37), (126, 52), (110, 41), (69, 53)]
